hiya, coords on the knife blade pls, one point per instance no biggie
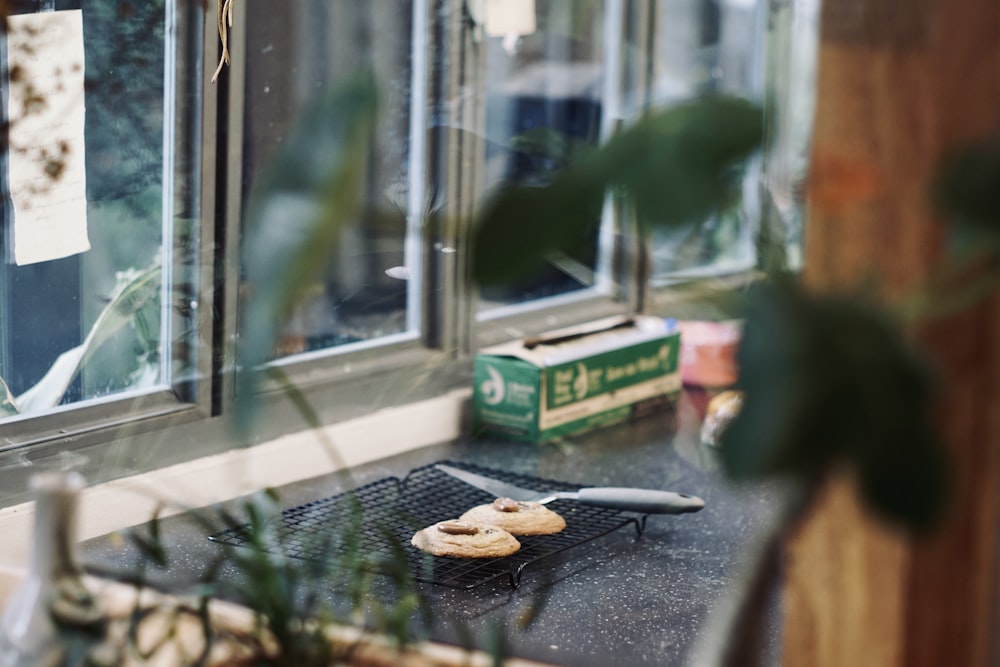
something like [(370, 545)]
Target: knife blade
[(630, 499)]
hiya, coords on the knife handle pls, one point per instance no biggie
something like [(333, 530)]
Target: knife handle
[(645, 501)]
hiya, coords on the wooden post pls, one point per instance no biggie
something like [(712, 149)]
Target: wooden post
[(900, 83)]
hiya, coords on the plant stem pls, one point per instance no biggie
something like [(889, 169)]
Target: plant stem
[(735, 634)]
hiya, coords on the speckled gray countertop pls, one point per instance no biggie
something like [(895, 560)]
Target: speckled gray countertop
[(622, 599)]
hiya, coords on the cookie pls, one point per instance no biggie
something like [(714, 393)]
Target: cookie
[(465, 540), (517, 518), (721, 411)]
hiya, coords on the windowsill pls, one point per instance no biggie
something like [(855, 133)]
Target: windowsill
[(108, 506), (129, 501), (648, 594)]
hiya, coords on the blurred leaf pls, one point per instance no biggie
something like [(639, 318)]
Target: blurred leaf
[(310, 189), (677, 165), (967, 190), (911, 482), (150, 548), (498, 643), (830, 380), (789, 383), (524, 225)]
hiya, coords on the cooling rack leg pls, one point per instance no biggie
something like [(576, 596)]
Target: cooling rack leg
[(515, 575)]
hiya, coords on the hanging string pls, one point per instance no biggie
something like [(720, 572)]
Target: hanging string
[(225, 16)]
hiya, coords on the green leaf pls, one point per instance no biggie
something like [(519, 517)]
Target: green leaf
[(310, 189), (830, 380), (789, 385), (911, 482), (523, 226), (677, 166), (151, 549), (967, 190)]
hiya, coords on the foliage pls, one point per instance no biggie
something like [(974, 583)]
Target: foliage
[(830, 381), (277, 586), (967, 190), (309, 190), (284, 592), (675, 165)]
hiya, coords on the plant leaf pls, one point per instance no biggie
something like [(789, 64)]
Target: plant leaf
[(676, 164), (967, 189), (828, 381), (911, 481), (788, 385), (310, 189), (525, 225)]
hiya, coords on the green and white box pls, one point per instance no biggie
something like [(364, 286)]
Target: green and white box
[(576, 379)]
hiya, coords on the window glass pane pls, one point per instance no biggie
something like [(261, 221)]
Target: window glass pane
[(544, 78), (558, 76), (792, 41), (91, 325), (291, 57), (705, 47)]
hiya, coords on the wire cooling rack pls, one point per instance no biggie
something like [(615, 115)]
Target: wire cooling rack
[(378, 520)]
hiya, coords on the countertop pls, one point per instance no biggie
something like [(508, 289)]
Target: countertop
[(625, 598)]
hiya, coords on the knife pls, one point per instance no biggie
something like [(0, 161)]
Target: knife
[(645, 501)]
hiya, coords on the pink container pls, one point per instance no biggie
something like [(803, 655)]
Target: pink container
[(708, 352)]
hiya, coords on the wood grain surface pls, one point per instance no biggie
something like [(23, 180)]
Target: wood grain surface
[(899, 85)]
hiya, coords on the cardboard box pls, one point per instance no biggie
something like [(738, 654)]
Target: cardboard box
[(576, 379)]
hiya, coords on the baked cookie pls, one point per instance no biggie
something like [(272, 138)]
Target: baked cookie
[(517, 518), (721, 411), (465, 540)]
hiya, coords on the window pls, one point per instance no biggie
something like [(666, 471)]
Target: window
[(474, 94), (549, 92), (372, 290), (115, 318), (705, 47)]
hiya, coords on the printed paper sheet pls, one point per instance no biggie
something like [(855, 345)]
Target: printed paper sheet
[(45, 106)]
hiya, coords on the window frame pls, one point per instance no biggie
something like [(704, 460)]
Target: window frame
[(138, 433), (190, 102)]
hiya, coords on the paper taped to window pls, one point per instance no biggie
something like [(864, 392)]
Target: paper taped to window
[(45, 108)]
